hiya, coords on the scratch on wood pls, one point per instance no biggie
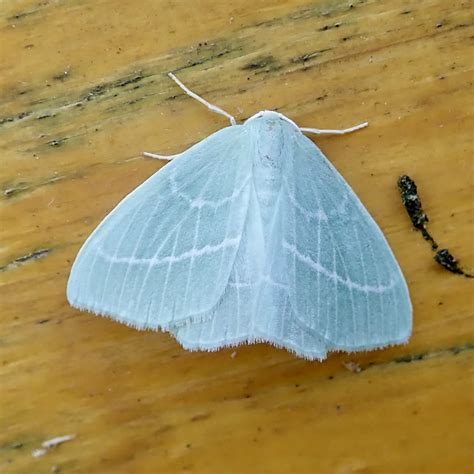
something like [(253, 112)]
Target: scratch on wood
[(51, 443), (36, 255), (208, 52), (23, 14), (262, 63), (22, 186), (130, 80), (309, 56), (200, 417), (14, 118), (409, 358), (45, 115), (428, 355), (110, 89), (13, 190), (325, 10), (13, 445)]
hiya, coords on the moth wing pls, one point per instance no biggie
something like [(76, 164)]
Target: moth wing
[(345, 283), (252, 309), (164, 255), (220, 332)]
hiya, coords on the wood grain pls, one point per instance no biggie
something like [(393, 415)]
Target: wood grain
[(84, 91)]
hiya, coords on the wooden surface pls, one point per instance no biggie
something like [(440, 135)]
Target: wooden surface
[(84, 92)]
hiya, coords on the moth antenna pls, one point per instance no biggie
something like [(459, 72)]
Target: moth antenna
[(160, 157), (210, 106), (317, 131)]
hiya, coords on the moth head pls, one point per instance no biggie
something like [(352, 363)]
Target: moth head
[(270, 117)]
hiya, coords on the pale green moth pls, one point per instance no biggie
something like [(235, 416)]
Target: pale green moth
[(250, 235)]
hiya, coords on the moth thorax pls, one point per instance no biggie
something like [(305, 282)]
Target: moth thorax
[(267, 175)]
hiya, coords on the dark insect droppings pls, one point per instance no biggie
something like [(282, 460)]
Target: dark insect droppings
[(412, 202), (447, 260)]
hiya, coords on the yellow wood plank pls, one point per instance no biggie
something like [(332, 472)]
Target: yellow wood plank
[(84, 92)]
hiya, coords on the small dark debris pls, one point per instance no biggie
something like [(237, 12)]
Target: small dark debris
[(20, 116), (422, 356), (409, 358), (466, 347), (412, 202), (16, 445), (134, 101), (447, 260), (260, 63), (57, 142), (254, 65), (304, 58), (330, 27), (101, 89), (95, 92), (200, 417), (222, 53), (196, 62), (45, 116), (62, 76), (42, 321), (20, 15), (130, 80)]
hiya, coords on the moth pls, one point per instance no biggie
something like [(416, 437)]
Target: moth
[(251, 235)]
